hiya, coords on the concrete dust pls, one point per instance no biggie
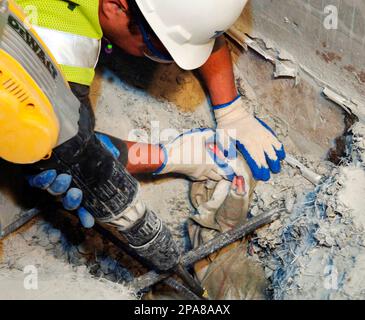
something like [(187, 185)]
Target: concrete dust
[(353, 187), (62, 270)]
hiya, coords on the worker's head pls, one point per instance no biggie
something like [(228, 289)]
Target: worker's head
[(184, 30), (125, 26)]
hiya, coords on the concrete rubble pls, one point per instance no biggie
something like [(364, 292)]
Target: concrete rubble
[(317, 251)]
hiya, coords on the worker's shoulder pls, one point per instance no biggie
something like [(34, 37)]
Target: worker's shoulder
[(78, 16)]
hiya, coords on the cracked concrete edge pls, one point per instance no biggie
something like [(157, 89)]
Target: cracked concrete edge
[(286, 66)]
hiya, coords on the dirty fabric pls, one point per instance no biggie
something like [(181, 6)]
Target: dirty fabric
[(229, 273)]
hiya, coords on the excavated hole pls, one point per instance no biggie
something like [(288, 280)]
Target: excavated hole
[(343, 142)]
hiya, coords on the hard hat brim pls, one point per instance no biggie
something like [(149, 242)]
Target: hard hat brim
[(188, 56)]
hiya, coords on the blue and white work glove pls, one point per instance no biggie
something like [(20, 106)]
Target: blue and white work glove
[(59, 185), (255, 140), (199, 154)]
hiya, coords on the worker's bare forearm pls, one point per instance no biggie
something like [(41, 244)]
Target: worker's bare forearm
[(143, 157), (217, 74)]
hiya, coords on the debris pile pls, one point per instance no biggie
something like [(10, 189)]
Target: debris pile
[(317, 252)]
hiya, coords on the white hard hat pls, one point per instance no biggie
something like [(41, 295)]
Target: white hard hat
[(188, 28)]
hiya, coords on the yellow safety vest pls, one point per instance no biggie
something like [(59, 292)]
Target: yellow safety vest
[(72, 32)]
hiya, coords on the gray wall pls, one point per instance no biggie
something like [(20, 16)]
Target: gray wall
[(334, 58)]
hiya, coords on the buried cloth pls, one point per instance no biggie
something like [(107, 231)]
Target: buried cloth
[(229, 273)]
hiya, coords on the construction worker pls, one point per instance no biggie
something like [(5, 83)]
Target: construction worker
[(189, 33)]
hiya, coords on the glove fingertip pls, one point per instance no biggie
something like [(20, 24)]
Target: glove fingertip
[(43, 180), (261, 174), (86, 219), (265, 174), (60, 185), (281, 153), (274, 165), (73, 199)]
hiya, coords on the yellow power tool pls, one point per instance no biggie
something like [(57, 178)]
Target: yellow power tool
[(37, 111)]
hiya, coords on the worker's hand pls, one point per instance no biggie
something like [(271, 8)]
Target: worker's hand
[(58, 185), (254, 139), (200, 155)]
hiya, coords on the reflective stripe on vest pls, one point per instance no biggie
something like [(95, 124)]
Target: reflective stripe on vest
[(71, 49)]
